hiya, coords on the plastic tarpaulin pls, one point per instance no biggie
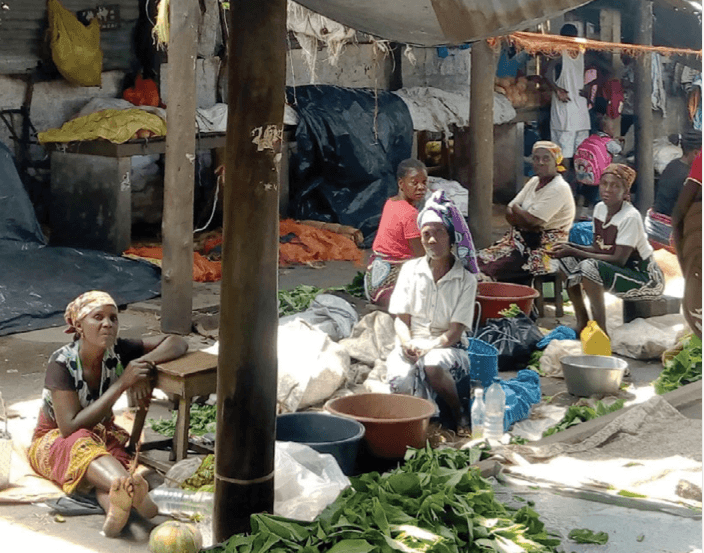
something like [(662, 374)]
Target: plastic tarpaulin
[(349, 143), (37, 281)]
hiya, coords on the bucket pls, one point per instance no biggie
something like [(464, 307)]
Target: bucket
[(5, 450), (326, 433), (393, 422), (496, 296)]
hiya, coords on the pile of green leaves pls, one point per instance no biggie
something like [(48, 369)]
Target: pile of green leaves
[(299, 298), (534, 361), (577, 414), (511, 311), (203, 479), (683, 368), (435, 503), (202, 421), (584, 535)]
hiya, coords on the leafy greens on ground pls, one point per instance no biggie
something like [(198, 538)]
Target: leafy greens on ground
[(202, 421), (435, 503), (577, 414), (683, 368), (299, 298), (583, 535)]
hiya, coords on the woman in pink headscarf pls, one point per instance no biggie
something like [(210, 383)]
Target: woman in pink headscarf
[(76, 443)]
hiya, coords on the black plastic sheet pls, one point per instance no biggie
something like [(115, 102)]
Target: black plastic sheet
[(349, 143), (37, 281)]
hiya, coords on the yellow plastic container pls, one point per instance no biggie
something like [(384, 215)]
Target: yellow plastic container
[(594, 340)]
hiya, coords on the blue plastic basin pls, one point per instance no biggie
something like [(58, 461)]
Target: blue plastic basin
[(325, 433)]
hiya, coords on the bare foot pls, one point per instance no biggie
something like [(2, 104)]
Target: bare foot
[(120, 496), (142, 502)]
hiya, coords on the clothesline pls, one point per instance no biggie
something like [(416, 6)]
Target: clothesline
[(536, 43)]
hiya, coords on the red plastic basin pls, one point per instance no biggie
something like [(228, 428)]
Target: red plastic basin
[(392, 422), (496, 296)]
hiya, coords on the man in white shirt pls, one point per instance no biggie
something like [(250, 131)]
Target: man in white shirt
[(434, 304)]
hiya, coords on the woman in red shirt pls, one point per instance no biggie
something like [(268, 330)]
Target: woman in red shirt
[(398, 237)]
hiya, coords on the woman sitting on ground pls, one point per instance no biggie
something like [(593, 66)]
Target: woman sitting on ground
[(434, 304), (76, 443), (658, 222), (398, 237), (540, 216), (620, 259)]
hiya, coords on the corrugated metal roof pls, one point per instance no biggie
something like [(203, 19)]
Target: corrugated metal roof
[(439, 22), (22, 29)]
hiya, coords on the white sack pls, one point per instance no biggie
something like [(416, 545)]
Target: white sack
[(557, 349), (647, 338)]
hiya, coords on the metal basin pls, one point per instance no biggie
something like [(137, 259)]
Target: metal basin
[(587, 375)]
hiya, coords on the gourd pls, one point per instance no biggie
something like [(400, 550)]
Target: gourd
[(175, 537)]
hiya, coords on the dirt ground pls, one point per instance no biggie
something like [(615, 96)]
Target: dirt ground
[(23, 359)]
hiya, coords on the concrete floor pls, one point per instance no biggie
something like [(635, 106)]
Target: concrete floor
[(23, 359)]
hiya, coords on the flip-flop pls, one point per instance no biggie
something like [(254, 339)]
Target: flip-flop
[(75, 505)]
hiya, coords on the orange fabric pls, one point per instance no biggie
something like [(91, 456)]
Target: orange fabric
[(536, 43), (203, 269), (312, 244), (143, 93)]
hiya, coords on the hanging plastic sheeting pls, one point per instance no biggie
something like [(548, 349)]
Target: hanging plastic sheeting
[(310, 27), (37, 281), (349, 144)]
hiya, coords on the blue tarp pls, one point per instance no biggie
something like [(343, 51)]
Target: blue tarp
[(38, 281), (349, 142)]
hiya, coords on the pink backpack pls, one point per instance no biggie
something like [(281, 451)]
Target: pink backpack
[(591, 158)]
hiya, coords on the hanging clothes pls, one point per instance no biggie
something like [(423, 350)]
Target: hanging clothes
[(658, 97)]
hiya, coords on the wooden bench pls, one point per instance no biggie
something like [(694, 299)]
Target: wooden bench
[(558, 281), (194, 374)]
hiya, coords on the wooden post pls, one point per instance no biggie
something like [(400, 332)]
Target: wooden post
[(177, 221), (645, 194), (481, 143), (247, 361)]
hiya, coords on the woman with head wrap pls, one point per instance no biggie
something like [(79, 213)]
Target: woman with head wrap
[(658, 223), (434, 304), (76, 443), (540, 216), (620, 259), (398, 238)]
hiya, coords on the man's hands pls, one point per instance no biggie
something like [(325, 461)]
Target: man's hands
[(562, 94)]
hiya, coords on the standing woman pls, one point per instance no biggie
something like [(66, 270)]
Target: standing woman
[(620, 259), (540, 216), (76, 443), (398, 237)]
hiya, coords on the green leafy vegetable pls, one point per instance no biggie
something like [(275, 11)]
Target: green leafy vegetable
[(626, 493), (202, 421), (534, 361), (435, 503), (577, 414), (511, 311), (301, 297), (683, 368), (203, 479), (582, 535)]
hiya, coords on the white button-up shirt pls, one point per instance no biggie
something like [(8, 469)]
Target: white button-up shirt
[(434, 305)]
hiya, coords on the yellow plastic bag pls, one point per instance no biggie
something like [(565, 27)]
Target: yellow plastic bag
[(594, 340), (75, 48)]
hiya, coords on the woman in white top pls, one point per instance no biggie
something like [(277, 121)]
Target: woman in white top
[(540, 216), (620, 259)]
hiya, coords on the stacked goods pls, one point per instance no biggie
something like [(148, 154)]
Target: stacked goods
[(523, 92)]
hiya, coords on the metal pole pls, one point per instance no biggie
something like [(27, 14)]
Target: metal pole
[(247, 363)]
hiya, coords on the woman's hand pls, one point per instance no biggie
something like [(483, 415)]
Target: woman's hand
[(410, 352), (138, 371), (563, 250)]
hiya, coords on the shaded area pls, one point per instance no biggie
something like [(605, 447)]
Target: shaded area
[(349, 143), (37, 281)]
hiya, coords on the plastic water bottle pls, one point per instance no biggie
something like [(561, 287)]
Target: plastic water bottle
[(175, 501), (477, 413), (494, 418)]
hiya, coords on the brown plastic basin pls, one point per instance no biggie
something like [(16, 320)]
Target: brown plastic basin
[(392, 422)]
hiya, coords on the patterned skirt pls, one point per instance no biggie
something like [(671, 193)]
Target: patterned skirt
[(638, 279), (520, 254), (381, 276), (65, 461)]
